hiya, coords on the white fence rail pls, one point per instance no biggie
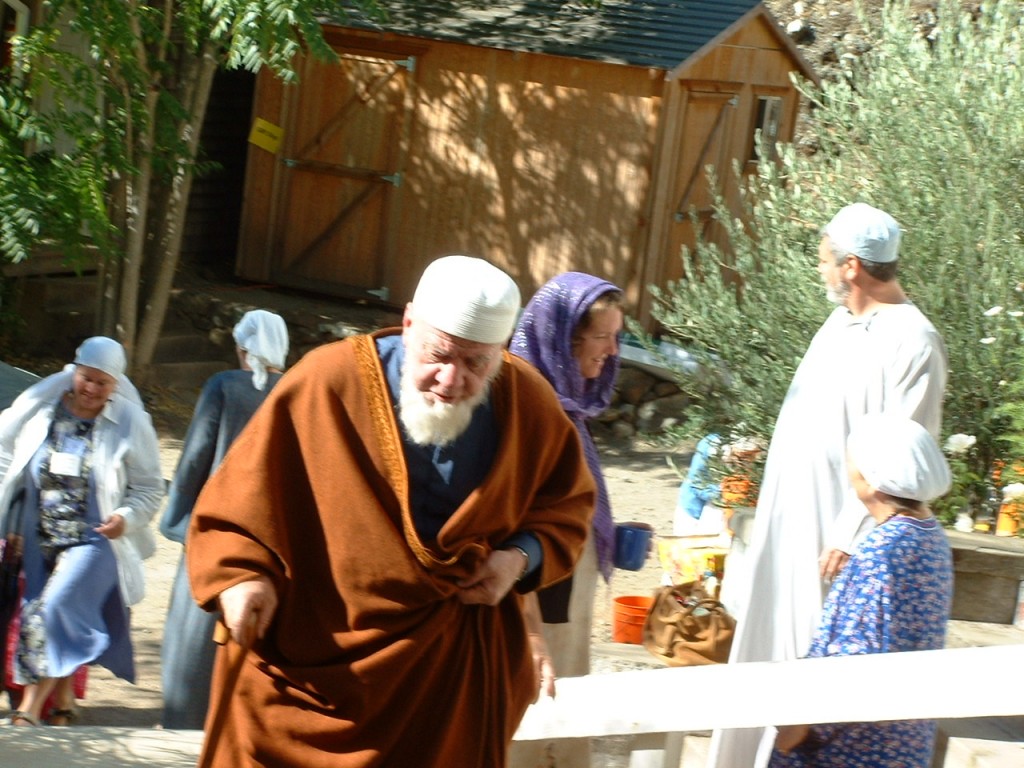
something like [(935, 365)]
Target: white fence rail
[(657, 707), (667, 703), (951, 683)]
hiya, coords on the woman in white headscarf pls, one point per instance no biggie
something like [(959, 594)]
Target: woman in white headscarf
[(80, 464), (225, 405), (893, 595)]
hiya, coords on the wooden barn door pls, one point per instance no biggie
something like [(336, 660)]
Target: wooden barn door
[(708, 127), (340, 165)]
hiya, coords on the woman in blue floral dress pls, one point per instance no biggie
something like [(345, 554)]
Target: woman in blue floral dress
[(893, 595)]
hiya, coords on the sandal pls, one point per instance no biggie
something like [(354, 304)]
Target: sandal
[(61, 717), (20, 718)]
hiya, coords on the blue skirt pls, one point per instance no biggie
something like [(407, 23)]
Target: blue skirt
[(72, 612)]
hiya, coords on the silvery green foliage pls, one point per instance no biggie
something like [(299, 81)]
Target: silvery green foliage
[(929, 127), (748, 316)]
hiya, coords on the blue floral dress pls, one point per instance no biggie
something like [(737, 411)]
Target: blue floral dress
[(894, 595)]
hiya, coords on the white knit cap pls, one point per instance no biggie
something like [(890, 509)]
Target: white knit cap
[(264, 337), (467, 298), (103, 354), (866, 232), (899, 457)]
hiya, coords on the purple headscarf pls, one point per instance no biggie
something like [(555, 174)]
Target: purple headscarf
[(544, 338)]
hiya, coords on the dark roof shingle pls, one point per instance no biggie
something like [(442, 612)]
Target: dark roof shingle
[(648, 33)]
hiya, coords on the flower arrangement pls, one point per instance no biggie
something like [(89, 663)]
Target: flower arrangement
[(725, 475), (738, 491), (740, 468)]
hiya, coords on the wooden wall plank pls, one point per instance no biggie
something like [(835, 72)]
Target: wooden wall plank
[(255, 230), (541, 164)]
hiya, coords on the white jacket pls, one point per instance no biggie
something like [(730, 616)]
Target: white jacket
[(125, 466)]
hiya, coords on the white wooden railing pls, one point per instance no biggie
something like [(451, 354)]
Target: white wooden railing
[(662, 705), (657, 707)]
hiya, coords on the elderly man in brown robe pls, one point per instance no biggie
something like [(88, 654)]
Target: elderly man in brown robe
[(373, 531)]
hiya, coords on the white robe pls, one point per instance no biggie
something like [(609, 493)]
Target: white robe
[(890, 360)]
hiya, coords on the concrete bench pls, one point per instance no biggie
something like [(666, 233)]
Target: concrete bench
[(988, 573)]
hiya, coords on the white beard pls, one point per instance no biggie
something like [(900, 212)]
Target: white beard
[(434, 423), (838, 294)]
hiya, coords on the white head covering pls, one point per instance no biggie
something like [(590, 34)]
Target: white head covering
[(899, 457), (103, 354), (264, 337), (467, 298), (866, 232)]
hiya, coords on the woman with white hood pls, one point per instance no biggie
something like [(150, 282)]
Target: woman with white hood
[(227, 402), (893, 595), (80, 469)]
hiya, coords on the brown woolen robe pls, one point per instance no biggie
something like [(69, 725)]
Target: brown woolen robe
[(370, 659)]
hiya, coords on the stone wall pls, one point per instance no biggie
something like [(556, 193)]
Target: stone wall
[(643, 403)]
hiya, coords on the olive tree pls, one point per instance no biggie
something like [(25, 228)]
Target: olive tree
[(929, 126)]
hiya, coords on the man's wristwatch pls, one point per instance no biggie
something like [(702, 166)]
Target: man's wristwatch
[(526, 561)]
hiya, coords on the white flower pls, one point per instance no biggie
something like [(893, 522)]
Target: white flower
[(1015, 313), (743, 448), (988, 340), (960, 443), (1013, 492), (993, 311)]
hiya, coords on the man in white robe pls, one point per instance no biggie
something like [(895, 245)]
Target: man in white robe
[(876, 352)]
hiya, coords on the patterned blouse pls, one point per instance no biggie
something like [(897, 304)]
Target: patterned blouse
[(64, 482), (894, 595)]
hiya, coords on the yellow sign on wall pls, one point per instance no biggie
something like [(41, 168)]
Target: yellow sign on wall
[(266, 135)]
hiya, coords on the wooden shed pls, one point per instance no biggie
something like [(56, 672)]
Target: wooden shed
[(543, 136)]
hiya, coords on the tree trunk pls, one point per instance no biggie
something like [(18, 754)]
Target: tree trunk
[(198, 77), (110, 267), (137, 202)]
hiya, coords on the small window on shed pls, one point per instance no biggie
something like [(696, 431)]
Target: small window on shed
[(768, 116)]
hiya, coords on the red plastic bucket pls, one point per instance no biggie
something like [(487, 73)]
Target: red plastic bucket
[(628, 614)]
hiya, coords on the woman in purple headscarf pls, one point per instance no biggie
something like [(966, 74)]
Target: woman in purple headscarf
[(570, 332)]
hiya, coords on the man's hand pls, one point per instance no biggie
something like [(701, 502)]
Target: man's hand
[(791, 736), (831, 562), (113, 528), (493, 579), (543, 666), (248, 608)]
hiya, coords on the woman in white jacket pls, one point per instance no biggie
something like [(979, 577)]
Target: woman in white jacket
[(80, 459)]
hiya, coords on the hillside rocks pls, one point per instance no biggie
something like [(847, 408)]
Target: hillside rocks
[(643, 404), (831, 36)]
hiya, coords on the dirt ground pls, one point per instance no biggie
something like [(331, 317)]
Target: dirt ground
[(642, 487)]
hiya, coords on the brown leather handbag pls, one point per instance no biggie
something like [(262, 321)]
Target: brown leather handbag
[(684, 627)]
